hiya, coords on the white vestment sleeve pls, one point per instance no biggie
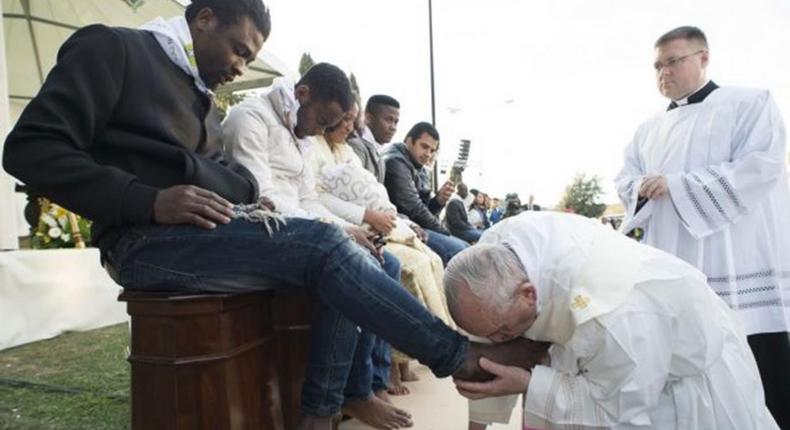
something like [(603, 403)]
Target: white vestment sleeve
[(711, 198), (622, 370), (630, 177), (246, 140)]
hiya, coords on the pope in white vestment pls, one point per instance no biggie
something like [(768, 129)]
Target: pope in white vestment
[(639, 339)]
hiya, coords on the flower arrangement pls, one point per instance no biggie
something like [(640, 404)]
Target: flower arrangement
[(59, 228)]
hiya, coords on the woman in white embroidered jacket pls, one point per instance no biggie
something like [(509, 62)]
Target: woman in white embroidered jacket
[(353, 194)]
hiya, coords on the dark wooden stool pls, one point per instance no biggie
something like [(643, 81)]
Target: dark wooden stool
[(215, 362)]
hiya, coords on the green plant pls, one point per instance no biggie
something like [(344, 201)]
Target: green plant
[(583, 195)]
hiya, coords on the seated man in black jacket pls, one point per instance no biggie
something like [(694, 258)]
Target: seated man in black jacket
[(409, 189), (456, 218), (121, 132)]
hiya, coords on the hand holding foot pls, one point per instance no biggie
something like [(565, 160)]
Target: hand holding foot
[(523, 353)]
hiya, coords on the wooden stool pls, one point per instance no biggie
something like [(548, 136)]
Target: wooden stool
[(216, 362)]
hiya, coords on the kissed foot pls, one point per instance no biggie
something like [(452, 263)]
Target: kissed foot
[(519, 352), (377, 413)]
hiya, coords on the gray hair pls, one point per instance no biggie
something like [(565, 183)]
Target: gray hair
[(687, 32), (490, 272)]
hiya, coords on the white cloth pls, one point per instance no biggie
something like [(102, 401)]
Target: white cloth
[(334, 169), (175, 38), (474, 217), (46, 293), (724, 161), (258, 133), (669, 355), (347, 189)]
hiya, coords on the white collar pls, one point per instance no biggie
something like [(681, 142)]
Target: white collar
[(685, 100)]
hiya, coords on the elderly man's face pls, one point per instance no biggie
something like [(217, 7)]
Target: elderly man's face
[(498, 325)]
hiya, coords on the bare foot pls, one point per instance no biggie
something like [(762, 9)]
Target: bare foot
[(519, 352), (396, 387), (383, 395), (377, 413), (406, 374)]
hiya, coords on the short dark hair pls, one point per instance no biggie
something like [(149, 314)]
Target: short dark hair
[(229, 12), (328, 83), (687, 32), (378, 100), (422, 127)]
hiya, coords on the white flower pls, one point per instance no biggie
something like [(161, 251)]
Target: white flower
[(66, 237), (62, 220), (55, 232), (49, 220)]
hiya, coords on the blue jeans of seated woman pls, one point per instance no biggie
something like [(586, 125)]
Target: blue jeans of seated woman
[(351, 287), (370, 369)]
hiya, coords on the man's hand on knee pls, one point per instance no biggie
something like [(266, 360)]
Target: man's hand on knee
[(188, 204)]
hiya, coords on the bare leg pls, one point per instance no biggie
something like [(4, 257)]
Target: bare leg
[(383, 395), (396, 384), (377, 413), (406, 374)]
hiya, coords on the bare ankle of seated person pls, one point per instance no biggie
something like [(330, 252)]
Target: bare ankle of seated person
[(396, 387), (519, 352), (406, 374)]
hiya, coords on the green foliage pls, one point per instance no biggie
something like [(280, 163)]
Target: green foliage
[(223, 102), (583, 195), (305, 63)]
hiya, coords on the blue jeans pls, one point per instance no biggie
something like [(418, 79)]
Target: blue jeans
[(370, 369), (471, 235), (351, 287), (445, 246)]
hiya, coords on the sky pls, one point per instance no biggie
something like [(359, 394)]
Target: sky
[(544, 89)]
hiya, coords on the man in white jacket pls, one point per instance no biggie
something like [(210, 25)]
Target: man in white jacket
[(271, 135), (639, 340)]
